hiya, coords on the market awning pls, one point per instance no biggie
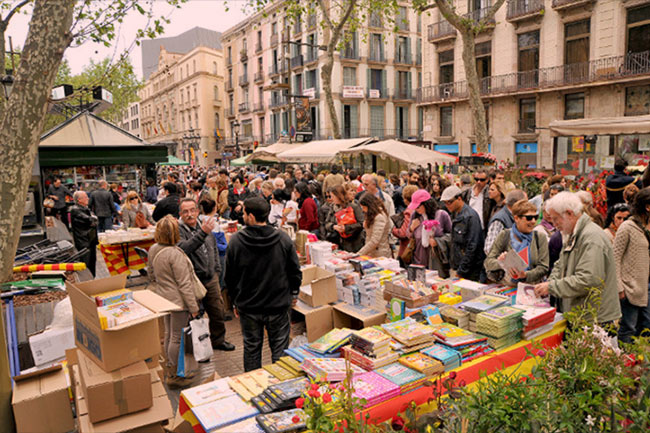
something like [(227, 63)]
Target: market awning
[(87, 129), (70, 156), (406, 153), (239, 162), (269, 153), (172, 160), (601, 126), (322, 151)]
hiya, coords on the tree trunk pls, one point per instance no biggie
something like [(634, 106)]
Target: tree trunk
[(22, 119), (326, 75), (474, 90)]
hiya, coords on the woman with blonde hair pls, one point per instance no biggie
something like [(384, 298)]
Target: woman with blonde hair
[(497, 193), (172, 277), (135, 213), (377, 226)]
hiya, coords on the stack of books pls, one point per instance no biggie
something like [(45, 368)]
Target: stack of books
[(455, 316), (411, 335), (282, 371), (302, 352), (406, 378), (468, 344), (282, 422), (536, 320), (328, 369), (280, 396), (448, 357), (252, 383), (115, 314), (422, 363), (480, 305), (371, 341), (502, 325), (469, 289), (222, 412), (331, 342), (367, 362), (374, 388)]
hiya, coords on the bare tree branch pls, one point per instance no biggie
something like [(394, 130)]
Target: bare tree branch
[(11, 13), (490, 13)]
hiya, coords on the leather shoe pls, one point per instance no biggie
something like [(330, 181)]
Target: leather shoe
[(225, 346)]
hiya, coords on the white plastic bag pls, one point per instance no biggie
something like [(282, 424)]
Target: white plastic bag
[(201, 344)]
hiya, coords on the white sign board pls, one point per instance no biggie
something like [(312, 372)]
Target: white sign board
[(310, 93), (373, 93), (353, 92)]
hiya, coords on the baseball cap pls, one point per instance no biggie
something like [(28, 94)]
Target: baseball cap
[(450, 192), (419, 197)]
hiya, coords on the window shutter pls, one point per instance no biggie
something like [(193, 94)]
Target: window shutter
[(383, 83), (381, 47), (408, 50), (354, 121), (409, 84), (418, 49), (368, 80)]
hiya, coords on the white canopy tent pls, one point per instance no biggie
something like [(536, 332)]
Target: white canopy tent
[(269, 153), (406, 153), (601, 126), (322, 151)]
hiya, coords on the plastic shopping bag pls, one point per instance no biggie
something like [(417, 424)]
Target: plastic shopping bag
[(181, 370), (200, 334)]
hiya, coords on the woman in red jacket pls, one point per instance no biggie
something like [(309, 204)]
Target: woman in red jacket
[(308, 219)]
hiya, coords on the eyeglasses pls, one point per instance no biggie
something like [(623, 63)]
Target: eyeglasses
[(133, 198), (530, 217), (186, 211), (480, 179)]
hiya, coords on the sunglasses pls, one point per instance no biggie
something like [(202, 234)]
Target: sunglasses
[(530, 217), (480, 179)]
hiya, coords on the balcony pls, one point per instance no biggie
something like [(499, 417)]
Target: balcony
[(521, 10), (276, 103), (403, 95), (312, 56), (243, 80), (377, 93), (480, 14), (285, 35), (376, 56), (229, 86), (296, 61), (258, 47), (596, 71), (440, 31), (274, 39), (350, 54), (561, 5), (243, 54), (526, 126), (258, 107), (278, 68), (403, 58), (244, 107), (258, 77)]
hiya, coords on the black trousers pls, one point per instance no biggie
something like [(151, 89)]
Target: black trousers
[(252, 328), (213, 305)]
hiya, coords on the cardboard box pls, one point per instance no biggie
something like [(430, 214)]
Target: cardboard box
[(51, 344), (109, 395), (318, 320), (355, 316), (122, 345), (148, 420), (323, 286), (41, 402)]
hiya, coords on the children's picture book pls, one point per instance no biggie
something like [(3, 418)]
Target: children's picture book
[(208, 392), (282, 422), (526, 296), (222, 412)]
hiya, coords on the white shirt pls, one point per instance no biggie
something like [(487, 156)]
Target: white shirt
[(276, 213), (476, 203), (293, 215)]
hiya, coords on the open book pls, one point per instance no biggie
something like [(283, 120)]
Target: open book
[(515, 260)]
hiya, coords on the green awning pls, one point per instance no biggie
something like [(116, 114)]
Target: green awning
[(172, 160), (72, 156), (239, 162)]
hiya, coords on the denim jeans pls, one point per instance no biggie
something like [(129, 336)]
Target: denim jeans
[(633, 321), (252, 328), (105, 223)]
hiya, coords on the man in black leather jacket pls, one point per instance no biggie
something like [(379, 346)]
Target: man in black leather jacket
[(102, 204), (467, 239), (84, 229)]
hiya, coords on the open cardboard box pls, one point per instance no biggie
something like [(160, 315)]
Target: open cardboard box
[(124, 344), (323, 286), (318, 320), (41, 402), (355, 316)]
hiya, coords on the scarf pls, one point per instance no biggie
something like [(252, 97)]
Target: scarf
[(519, 241)]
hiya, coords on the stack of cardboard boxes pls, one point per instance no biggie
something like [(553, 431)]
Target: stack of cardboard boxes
[(115, 378)]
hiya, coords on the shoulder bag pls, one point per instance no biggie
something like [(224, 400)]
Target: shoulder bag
[(199, 289)]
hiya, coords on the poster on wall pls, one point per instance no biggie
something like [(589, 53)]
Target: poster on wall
[(644, 142)]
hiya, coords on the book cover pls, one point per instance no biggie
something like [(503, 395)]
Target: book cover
[(222, 412), (206, 393), (282, 422)]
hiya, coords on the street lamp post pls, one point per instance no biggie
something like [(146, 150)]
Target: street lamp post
[(7, 85), (235, 130)]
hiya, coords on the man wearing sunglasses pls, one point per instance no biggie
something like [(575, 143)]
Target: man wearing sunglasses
[(466, 257), (503, 219), (477, 197)]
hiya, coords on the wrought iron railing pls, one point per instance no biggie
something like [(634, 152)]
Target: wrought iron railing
[(244, 107), (440, 30), (519, 8)]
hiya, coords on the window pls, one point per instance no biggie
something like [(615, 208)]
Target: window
[(183, 121), (215, 90), (446, 121), (527, 116), (298, 84), (195, 95), (350, 50), (403, 49), (274, 28), (376, 47), (446, 61), (217, 121), (260, 65), (638, 29), (637, 100), (312, 50), (574, 105), (401, 20), (259, 39), (377, 121), (193, 66), (402, 122), (528, 59), (349, 76), (244, 45), (245, 69), (375, 20), (377, 80), (311, 79), (350, 121), (187, 70), (403, 84), (260, 94), (229, 55), (483, 61), (576, 42)]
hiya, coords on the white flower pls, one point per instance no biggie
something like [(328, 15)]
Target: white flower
[(590, 421)]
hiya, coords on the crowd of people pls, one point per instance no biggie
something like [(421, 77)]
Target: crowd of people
[(460, 226)]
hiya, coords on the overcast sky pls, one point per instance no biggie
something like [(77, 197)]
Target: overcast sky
[(210, 14)]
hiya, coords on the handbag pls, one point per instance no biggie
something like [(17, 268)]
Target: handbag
[(48, 203), (198, 288), (345, 217), (407, 254), (140, 220)]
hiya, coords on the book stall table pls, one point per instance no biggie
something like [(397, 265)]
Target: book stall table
[(122, 258), (507, 358)]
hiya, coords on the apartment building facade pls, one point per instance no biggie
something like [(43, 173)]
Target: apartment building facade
[(130, 120), (538, 62), (374, 78), (181, 104)]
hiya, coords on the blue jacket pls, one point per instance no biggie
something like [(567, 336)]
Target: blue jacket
[(467, 244)]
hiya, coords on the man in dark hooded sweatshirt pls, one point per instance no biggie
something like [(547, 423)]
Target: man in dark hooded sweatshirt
[(263, 278)]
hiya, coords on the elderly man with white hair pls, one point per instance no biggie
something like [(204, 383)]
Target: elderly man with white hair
[(371, 185), (586, 261)]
